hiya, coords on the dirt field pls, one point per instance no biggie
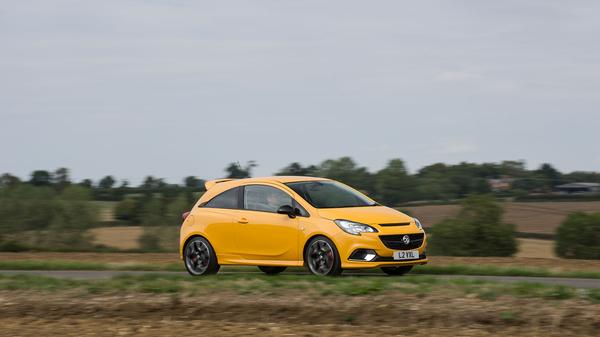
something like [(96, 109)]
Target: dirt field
[(529, 217), (118, 237), (536, 248), (224, 313)]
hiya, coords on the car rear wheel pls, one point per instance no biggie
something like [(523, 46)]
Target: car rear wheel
[(396, 271), (271, 270), (200, 258), (322, 257)]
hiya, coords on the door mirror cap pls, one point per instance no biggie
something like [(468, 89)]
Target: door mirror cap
[(287, 209)]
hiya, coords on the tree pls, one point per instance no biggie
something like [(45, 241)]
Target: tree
[(175, 209), (129, 209), (512, 168), (61, 178), (476, 231), (8, 180), (581, 176), (394, 185), (153, 212), (550, 176), (578, 237), (153, 183), (296, 169), (235, 171), (192, 182), (87, 183), (41, 178), (345, 170), (434, 183), (107, 182), (76, 192)]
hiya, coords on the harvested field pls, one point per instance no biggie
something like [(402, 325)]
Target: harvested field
[(226, 313), (125, 237), (534, 248), (529, 217)]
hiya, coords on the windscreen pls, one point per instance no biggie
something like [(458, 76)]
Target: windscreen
[(329, 194)]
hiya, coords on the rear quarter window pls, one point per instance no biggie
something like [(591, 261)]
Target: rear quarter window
[(228, 200)]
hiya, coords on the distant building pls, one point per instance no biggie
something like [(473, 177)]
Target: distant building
[(504, 183), (578, 188)]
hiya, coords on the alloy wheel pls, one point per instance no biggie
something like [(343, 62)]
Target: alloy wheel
[(320, 257), (197, 257)]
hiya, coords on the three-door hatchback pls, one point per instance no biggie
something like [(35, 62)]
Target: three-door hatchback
[(279, 222)]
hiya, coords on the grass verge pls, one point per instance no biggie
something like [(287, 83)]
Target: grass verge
[(259, 284), (485, 270)]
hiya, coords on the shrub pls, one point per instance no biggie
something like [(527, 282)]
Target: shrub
[(476, 231), (149, 240), (578, 237), (175, 209), (129, 210), (159, 239), (153, 212), (51, 220), (12, 246)]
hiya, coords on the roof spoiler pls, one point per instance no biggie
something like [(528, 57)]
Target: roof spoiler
[(210, 183)]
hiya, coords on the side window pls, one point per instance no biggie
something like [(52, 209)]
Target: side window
[(227, 199), (265, 198)]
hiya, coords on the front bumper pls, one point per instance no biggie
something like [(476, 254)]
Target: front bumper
[(348, 244)]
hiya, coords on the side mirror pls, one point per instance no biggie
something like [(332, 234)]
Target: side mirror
[(287, 209)]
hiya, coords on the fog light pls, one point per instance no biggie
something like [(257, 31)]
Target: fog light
[(363, 255)]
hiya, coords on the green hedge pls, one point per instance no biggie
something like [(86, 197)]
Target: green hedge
[(476, 231), (578, 237)]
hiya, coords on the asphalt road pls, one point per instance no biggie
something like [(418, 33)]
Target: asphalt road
[(105, 274)]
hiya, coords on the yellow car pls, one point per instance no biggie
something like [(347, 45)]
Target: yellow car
[(279, 222)]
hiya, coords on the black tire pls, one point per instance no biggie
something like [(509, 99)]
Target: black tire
[(322, 257), (271, 270), (396, 271), (199, 257)]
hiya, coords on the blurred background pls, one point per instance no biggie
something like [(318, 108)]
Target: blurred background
[(48, 211)]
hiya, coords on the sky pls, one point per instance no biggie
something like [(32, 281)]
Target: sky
[(176, 88)]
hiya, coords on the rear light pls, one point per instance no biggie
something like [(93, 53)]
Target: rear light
[(185, 215)]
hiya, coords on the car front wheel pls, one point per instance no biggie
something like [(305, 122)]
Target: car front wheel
[(322, 257), (200, 258)]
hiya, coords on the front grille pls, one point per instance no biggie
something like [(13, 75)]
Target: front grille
[(394, 224), (396, 242)]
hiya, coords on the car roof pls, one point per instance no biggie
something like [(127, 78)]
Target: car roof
[(289, 179), (214, 187), (278, 179)]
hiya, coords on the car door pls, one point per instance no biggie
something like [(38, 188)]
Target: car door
[(264, 234), (219, 217)]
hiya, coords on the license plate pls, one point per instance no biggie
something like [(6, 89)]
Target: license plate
[(406, 255)]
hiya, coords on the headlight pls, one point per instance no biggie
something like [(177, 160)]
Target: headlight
[(418, 223), (354, 228)]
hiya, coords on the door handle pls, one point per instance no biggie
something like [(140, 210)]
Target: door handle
[(243, 220)]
